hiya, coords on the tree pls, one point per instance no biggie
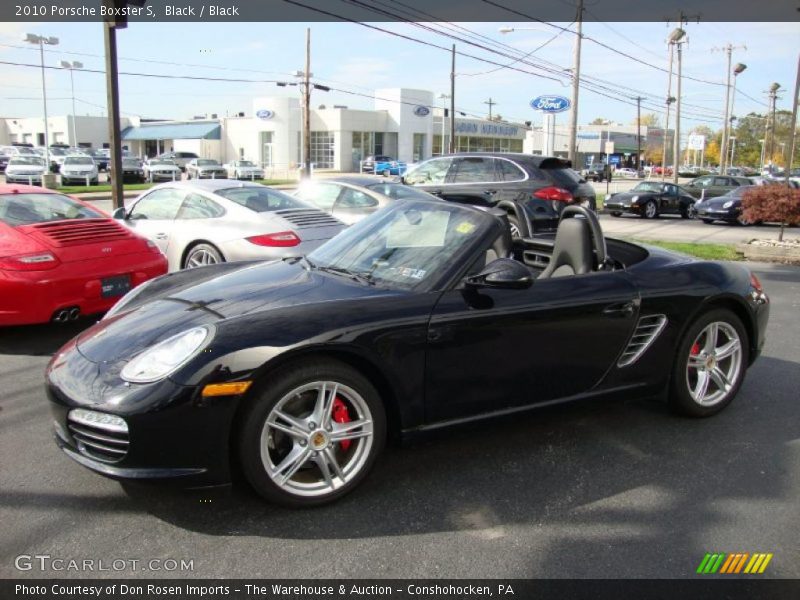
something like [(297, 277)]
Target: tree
[(599, 121), (712, 152), (648, 120), (776, 203)]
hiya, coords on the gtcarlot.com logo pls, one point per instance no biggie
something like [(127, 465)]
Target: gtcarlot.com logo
[(734, 563)]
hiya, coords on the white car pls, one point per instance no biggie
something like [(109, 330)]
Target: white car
[(244, 169), (161, 169), (625, 172), (80, 169), (25, 168)]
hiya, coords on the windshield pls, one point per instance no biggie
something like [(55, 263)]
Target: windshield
[(28, 161), (27, 209), (207, 162), (161, 161), (130, 162), (261, 198), (405, 245), (78, 160), (399, 191), (57, 151), (246, 163), (648, 186)]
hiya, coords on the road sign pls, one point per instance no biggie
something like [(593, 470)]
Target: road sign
[(697, 142)]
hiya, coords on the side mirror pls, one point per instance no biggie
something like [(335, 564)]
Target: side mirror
[(503, 273), (120, 213)]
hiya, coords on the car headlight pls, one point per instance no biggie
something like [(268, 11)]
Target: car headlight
[(162, 359), (728, 204), (634, 200)]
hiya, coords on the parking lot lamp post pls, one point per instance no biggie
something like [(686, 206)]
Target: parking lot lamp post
[(41, 41), (65, 64), (444, 98), (773, 97), (732, 140), (676, 38)]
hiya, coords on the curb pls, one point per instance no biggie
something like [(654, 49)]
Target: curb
[(774, 254)]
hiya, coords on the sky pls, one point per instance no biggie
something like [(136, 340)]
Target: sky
[(358, 59)]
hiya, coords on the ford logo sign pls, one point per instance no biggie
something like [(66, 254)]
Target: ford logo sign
[(551, 104), (264, 114), (422, 111)]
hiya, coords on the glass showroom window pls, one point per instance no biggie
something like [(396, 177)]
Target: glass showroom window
[(322, 145), (419, 146), (266, 149)]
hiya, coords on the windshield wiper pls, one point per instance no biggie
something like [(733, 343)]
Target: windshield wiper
[(360, 277)]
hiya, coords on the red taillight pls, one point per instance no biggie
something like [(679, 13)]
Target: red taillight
[(553, 193), (41, 261), (282, 239), (756, 283)]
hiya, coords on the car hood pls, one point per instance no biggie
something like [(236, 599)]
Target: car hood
[(718, 202), (181, 304)]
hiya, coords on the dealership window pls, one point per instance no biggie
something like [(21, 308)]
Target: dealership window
[(419, 147), (363, 146), (266, 148), (322, 148), (487, 144)]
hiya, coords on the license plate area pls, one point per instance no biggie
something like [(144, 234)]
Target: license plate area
[(115, 286)]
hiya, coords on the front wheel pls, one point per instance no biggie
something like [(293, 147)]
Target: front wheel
[(312, 435), (710, 366), (650, 210), (616, 213)]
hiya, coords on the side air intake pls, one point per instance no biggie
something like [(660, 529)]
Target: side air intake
[(646, 332)]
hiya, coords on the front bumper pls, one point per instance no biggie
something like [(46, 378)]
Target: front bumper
[(212, 175), (24, 179), (165, 175), (612, 206), (173, 432), (722, 214)]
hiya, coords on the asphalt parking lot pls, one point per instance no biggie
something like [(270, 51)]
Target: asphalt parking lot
[(591, 490)]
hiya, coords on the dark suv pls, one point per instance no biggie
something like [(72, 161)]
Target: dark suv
[(536, 187)]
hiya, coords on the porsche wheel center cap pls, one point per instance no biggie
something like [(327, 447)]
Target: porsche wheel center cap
[(711, 362), (319, 440)]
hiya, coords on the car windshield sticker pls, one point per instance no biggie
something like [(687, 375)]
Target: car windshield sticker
[(417, 229), (465, 228)]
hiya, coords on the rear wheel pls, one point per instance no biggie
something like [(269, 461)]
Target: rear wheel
[(710, 366), (201, 255), (616, 213), (312, 435)]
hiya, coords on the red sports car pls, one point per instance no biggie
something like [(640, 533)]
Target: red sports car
[(61, 258)]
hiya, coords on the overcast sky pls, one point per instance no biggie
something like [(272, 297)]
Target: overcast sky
[(358, 59)]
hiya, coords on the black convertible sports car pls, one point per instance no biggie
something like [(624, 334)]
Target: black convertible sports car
[(412, 319), (650, 199)]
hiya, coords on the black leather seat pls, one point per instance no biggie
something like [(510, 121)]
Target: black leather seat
[(572, 250)]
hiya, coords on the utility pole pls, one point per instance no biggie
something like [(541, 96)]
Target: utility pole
[(576, 85), (638, 133), (307, 109), (793, 140), (452, 145), (666, 120), (773, 96), (112, 100), (491, 103)]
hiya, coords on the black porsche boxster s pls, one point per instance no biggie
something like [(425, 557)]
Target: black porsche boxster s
[(300, 369), (649, 199)]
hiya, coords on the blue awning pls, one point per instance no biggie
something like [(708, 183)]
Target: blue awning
[(203, 130)]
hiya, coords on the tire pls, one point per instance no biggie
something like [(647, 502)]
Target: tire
[(267, 440), (513, 225), (201, 255), (650, 210), (719, 363), (742, 222), (616, 213)]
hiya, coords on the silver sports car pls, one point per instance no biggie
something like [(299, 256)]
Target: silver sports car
[(216, 220)]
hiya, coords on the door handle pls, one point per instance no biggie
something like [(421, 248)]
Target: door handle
[(161, 236), (621, 309), (435, 192), (490, 192), (434, 335)]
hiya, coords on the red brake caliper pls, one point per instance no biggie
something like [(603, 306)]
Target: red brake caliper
[(340, 415), (695, 349)]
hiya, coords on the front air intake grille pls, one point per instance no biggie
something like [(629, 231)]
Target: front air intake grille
[(302, 217), (99, 441), (644, 335)]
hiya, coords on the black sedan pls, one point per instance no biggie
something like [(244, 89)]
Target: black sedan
[(649, 199), (727, 208), (297, 371)]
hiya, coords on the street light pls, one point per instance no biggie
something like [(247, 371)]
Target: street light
[(65, 64), (738, 69), (576, 80), (676, 39), (32, 38), (732, 140), (443, 97)]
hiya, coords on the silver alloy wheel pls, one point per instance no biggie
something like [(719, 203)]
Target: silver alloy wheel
[(201, 258), (514, 230), (714, 364), (650, 210), (308, 452)]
